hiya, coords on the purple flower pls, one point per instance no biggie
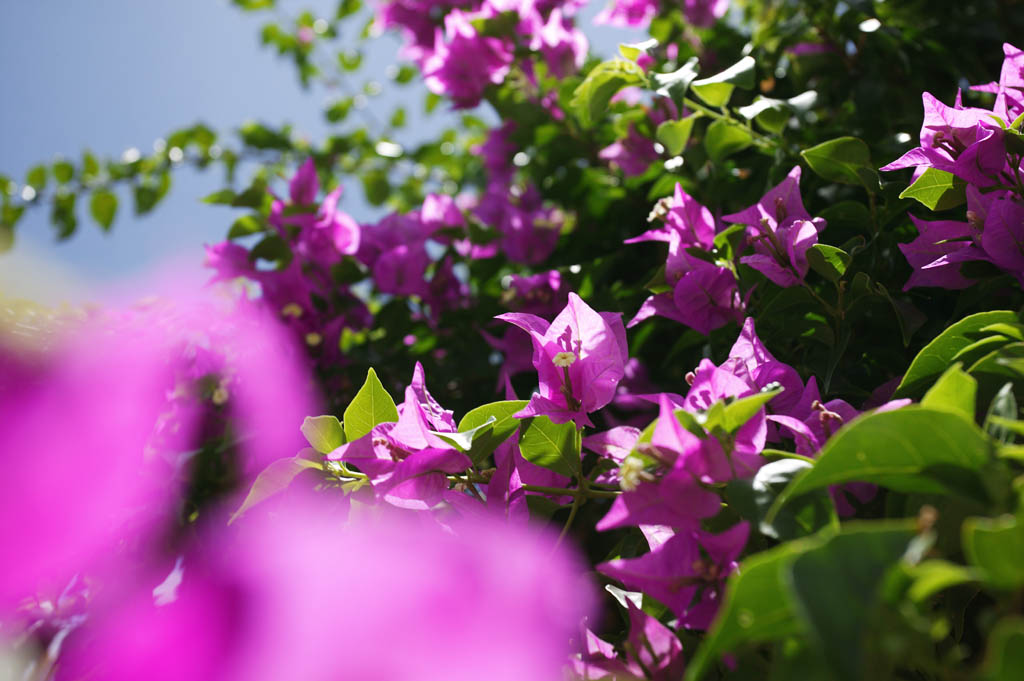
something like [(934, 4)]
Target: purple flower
[(937, 253), (579, 357), (407, 462), (111, 472), (463, 63), (781, 231), (632, 155), (279, 591), (1011, 81), (687, 573)]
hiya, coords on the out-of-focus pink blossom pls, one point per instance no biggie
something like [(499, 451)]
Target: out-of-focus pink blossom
[(396, 596)]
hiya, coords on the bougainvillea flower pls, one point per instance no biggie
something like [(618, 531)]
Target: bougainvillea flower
[(687, 573), (751, 360), (406, 462), (1003, 238), (579, 357), (464, 63), (271, 600), (676, 498), (110, 409), (780, 204), (946, 132), (653, 647), (1011, 80), (684, 216), (935, 240)]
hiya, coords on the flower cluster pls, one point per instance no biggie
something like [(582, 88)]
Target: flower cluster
[(460, 62), (704, 295), (981, 148), (304, 293)]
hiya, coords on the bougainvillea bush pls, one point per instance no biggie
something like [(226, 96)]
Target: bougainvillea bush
[(698, 361)]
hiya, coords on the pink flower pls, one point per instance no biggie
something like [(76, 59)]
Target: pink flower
[(399, 595), (579, 357)]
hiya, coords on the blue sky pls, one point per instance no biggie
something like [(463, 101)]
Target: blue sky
[(108, 75)]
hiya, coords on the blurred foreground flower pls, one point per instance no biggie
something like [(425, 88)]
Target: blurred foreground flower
[(297, 595)]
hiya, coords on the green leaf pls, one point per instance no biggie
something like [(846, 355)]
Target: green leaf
[(376, 187), (224, 197), (932, 576), (724, 138), (770, 114), (935, 357), (1003, 406), (371, 406), (716, 90), (674, 85), (591, 97), (753, 498), (1004, 656), (36, 177), (500, 429), (836, 586), (63, 172), (323, 433), (996, 546), (846, 160), (274, 479), (937, 190), (757, 606), (246, 225), (913, 449), (272, 248), (103, 208), (550, 445), (463, 441), (63, 214), (675, 134), (738, 412), (632, 51), (955, 392), (828, 261)]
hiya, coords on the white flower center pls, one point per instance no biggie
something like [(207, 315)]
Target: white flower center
[(564, 359)]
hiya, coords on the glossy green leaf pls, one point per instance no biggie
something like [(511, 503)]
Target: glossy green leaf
[(724, 138), (753, 498), (371, 406), (913, 449), (274, 479), (103, 207), (846, 160), (996, 547), (828, 261), (632, 51), (323, 433), (463, 440), (675, 84), (590, 100), (550, 445), (836, 586), (716, 90), (1003, 407), (936, 357), (675, 134), (937, 190), (504, 424), (955, 391), (739, 411)]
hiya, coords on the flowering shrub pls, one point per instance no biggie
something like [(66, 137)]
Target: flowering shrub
[(709, 396)]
